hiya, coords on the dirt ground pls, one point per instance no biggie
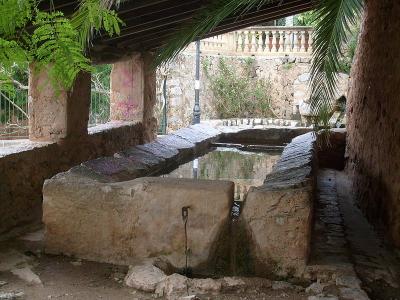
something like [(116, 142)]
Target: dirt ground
[(68, 278)]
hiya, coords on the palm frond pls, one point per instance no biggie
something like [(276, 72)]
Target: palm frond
[(206, 20), (334, 19)]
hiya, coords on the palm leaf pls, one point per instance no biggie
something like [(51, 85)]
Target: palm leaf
[(205, 21), (334, 19)]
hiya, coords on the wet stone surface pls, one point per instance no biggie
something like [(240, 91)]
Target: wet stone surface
[(159, 150), (119, 169), (295, 165), (192, 135), (153, 163)]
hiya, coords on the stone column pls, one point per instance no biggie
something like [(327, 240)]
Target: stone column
[(57, 114), (127, 86), (150, 98), (133, 92)]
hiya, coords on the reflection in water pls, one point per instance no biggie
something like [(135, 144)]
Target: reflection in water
[(245, 169)]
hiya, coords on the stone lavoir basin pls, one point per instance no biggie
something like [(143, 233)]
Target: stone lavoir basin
[(133, 207), (245, 168)]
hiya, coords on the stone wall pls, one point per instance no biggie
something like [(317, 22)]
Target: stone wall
[(373, 143), (23, 171), (289, 78)]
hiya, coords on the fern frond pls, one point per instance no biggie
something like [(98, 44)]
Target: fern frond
[(93, 16), (14, 14), (11, 53), (56, 47)]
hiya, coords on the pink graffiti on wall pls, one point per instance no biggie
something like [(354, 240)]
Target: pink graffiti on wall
[(127, 108)]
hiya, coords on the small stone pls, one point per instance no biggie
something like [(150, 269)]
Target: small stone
[(2, 283), (27, 275), (76, 263), (323, 297), (144, 277), (348, 281), (206, 285), (353, 293), (191, 297), (304, 77), (232, 283), (316, 288), (174, 284), (11, 295), (282, 285)]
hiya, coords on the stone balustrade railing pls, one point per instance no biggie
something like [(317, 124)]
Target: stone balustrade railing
[(260, 40)]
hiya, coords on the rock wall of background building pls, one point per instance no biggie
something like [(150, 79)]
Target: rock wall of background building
[(373, 145), (289, 78)]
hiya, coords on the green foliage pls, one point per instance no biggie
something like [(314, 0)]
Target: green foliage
[(94, 15), (305, 19), (236, 93), (14, 14), (288, 66), (281, 22), (349, 51), (100, 102), (54, 41), (58, 49)]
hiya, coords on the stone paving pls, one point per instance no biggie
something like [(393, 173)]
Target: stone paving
[(375, 262), (346, 246)]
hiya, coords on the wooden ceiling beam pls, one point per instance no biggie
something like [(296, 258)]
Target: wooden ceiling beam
[(122, 41), (150, 23), (107, 54)]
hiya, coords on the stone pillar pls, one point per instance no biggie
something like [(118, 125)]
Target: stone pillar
[(373, 142), (57, 114), (150, 98), (133, 92), (127, 86)]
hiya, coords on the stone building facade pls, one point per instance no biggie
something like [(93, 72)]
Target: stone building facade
[(289, 78)]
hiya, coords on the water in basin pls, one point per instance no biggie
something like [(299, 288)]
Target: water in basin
[(244, 168)]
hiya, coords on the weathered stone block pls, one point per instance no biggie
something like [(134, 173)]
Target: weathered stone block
[(153, 163), (117, 168), (278, 215), (279, 223), (130, 221), (159, 150), (194, 135)]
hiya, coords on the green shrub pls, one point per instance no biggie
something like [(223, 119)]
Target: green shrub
[(237, 92), (349, 51)]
